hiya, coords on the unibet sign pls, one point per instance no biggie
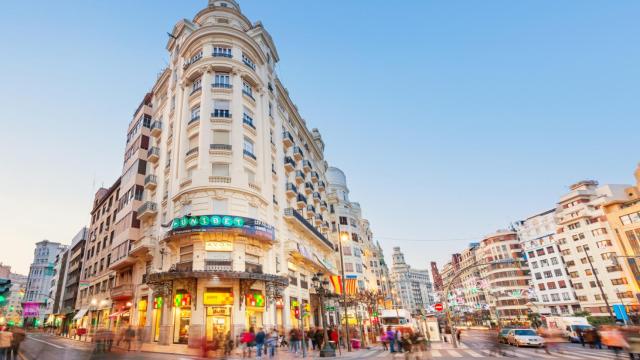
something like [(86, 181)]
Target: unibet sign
[(207, 220)]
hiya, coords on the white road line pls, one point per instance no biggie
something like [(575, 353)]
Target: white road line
[(436, 353), (598, 356), (473, 353), (454, 353), (46, 342)]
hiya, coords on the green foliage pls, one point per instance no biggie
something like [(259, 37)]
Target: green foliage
[(600, 320), (582, 313)]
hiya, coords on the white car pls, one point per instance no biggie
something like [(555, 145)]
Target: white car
[(524, 337)]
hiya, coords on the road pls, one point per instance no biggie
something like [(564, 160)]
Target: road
[(475, 345)]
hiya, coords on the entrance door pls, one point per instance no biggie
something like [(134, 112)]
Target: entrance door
[(156, 324), (254, 318), (218, 322)]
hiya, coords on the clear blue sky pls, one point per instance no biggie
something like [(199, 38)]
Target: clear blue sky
[(450, 118)]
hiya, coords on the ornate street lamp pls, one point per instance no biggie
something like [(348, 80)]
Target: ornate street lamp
[(321, 287)]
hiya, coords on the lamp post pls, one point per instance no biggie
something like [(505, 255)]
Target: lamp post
[(321, 289), (344, 237)]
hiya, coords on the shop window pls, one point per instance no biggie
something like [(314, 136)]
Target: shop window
[(182, 302)]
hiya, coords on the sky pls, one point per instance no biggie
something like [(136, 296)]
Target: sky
[(451, 119)]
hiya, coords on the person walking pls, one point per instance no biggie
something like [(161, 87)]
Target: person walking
[(294, 340), (271, 343), (259, 340), (333, 337), (319, 338), (391, 337), (18, 337)]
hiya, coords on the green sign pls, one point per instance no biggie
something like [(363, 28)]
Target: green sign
[(207, 220), (330, 308)]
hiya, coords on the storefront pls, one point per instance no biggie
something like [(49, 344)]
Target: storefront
[(182, 316), (218, 303), (142, 312), (254, 301), (156, 317)]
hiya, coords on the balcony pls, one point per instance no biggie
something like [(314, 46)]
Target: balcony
[(289, 164), (306, 165), (318, 219), (148, 210), (287, 139), (184, 266), (218, 265), (299, 177), (150, 182), (221, 113), (141, 246), (249, 154), (195, 90), (226, 54), (248, 94), (325, 226), (295, 218), (220, 149), (221, 86), (253, 268), (192, 60), (153, 154), (248, 121), (323, 205), (191, 154), (297, 153), (314, 176), (321, 185), (291, 190), (308, 188), (121, 256), (311, 209), (156, 128), (316, 197), (122, 292), (301, 201)]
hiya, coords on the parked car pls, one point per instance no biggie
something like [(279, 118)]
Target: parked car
[(502, 335), (524, 337)]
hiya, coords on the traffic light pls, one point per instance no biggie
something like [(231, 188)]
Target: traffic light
[(5, 289), (296, 312)]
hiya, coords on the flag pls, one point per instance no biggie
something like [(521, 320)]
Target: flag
[(336, 281), (351, 286)]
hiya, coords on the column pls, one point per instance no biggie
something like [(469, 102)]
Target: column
[(236, 168), (166, 325)]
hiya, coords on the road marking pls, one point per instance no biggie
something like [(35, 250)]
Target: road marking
[(597, 356), (473, 353), (436, 353), (46, 342)]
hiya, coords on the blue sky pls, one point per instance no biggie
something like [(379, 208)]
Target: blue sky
[(450, 118)]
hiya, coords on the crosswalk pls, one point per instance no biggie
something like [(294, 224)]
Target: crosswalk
[(574, 354)]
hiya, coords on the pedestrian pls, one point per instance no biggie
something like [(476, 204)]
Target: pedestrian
[(18, 337), (311, 334), (271, 343), (613, 339), (6, 338), (333, 337), (319, 338), (228, 344), (391, 337), (294, 340), (129, 335), (458, 334), (259, 340), (383, 340)]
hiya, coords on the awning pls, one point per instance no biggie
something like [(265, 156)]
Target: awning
[(80, 314)]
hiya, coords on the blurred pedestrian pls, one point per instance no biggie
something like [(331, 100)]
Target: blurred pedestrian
[(271, 343), (632, 337), (259, 340), (391, 337), (612, 338), (18, 337), (6, 338)]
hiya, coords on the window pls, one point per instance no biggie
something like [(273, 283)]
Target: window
[(197, 85), (630, 219), (348, 267), (222, 80), (270, 109), (566, 296), (247, 89), (186, 253), (545, 298), (220, 169), (566, 252), (541, 286), (220, 137), (603, 244), (247, 117), (195, 113), (346, 250), (540, 252), (607, 256), (555, 297), (544, 263), (550, 250), (548, 274), (534, 264), (554, 261), (557, 272), (578, 286), (574, 226), (221, 108), (551, 285), (343, 220), (538, 276), (248, 147), (251, 176), (193, 142), (222, 51), (562, 284), (592, 284), (577, 237), (620, 281)]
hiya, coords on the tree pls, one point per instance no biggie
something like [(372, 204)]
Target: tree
[(535, 319), (582, 313)]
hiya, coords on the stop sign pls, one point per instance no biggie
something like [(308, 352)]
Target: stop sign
[(438, 307)]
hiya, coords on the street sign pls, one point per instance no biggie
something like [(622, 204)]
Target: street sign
[(330, 308), (438, 307)]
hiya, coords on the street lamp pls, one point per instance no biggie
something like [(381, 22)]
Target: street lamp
[(321, 287), (344, 237)]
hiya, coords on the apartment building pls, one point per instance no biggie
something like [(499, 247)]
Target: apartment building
[(507, 276), (588, 247), (551, 284), (412, 288), (41, 271)]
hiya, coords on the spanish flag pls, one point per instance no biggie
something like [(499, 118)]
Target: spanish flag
[(336, 281)]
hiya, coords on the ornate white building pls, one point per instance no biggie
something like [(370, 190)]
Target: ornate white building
[(412, 288)]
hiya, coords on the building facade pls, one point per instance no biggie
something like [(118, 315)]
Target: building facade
[(41, 271), (11, 308), (588, 246), (552, 286), (412, 288), (507, 277), (93, 303), (73, 275), (53, 314)]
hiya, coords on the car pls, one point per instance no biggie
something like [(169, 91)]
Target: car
[(524, 337), (502, 335)]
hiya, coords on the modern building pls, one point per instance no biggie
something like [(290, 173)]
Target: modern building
[(552, 286), (507, 277), (11, 309), (589, 247), (93, 303), (412, 288), (53, 314), (41, 271), (623, 217)]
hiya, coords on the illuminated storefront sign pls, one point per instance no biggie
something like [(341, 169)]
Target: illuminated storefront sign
[(218, 223), (218, 246), (142, 305), (182, 299), (218, 297), (30, 309), (157, 302), (255, 299), (217, 311)]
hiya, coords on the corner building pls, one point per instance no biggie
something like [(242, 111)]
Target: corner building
[(234, 210)]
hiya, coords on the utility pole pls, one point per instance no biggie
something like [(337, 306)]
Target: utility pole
[(595, 274)]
